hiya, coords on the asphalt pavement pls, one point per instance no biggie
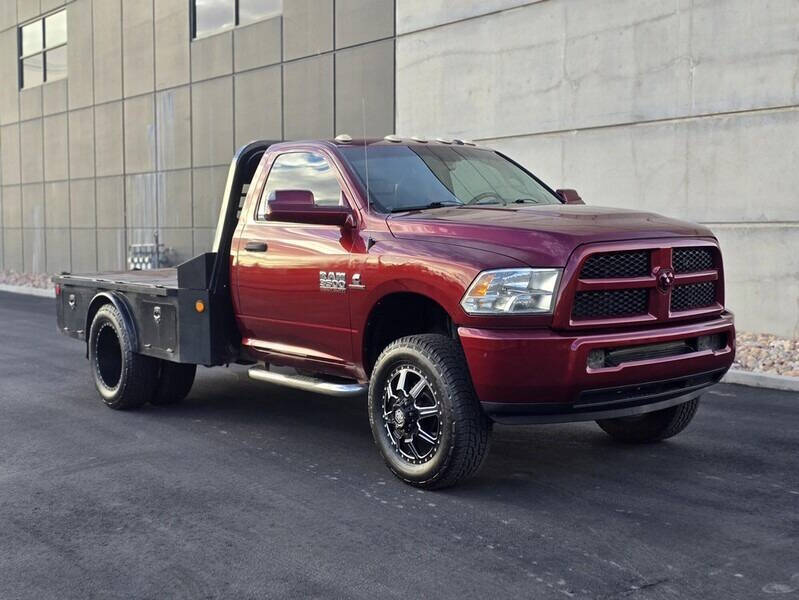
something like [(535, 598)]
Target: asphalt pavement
[(251, 491)]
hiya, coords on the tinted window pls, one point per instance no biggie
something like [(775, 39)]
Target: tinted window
[(212, 15), (301, 171), (254, 10), (403, 177)]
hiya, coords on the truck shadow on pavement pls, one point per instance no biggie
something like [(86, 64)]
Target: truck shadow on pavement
[(562, 459)]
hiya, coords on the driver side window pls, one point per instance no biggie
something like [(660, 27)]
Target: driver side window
[(301, 171)]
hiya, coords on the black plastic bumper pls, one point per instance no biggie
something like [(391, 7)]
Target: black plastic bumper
[(606, 403)]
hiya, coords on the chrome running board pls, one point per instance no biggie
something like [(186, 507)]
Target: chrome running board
[(307, 383)]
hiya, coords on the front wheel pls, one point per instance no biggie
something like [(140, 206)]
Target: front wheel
[(651, 427), (425, 417)]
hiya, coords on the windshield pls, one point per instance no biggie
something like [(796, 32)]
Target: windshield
[(405, 178)]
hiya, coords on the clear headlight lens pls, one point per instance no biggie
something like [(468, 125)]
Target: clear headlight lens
[(512, 291)]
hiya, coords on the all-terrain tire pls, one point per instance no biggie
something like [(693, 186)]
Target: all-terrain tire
[(463, 429), (123, 378), (651, 427), (174, 382)]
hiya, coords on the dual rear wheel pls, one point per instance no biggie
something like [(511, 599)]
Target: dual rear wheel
[(126, 379)]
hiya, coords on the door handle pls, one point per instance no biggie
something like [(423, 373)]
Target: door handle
[(256, 247)]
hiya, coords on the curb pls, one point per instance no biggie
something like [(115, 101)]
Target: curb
[(762, 380), (29, 291)]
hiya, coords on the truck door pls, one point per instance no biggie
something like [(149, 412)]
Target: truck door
[(290, 301)]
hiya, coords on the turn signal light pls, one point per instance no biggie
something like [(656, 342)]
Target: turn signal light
[(199, 306)]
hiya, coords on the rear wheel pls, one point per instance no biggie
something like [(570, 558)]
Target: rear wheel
[(123, 378), (651, 427), (425, 417), (174, 382)]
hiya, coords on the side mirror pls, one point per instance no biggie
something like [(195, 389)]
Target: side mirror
[(569, 196), (297, 206)]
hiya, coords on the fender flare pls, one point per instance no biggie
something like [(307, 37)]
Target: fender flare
[(119, 302)]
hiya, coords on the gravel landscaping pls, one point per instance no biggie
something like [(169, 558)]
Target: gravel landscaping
[(765, 353), (757, 352), (40, 280)]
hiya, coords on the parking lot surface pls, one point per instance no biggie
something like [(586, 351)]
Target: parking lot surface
[(251, 491)]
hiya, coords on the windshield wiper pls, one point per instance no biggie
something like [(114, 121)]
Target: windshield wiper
[(425, 206)]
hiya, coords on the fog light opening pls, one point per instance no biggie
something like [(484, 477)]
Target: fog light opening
[(596, 359)]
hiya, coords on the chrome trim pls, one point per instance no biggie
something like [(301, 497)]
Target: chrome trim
[(307, 383)]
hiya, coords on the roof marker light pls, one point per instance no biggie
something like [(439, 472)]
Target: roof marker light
[(393, 138), (343, 138)]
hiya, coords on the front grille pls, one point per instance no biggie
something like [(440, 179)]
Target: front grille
[(692, 260), (610, 303), (616, 264), (693, 295)]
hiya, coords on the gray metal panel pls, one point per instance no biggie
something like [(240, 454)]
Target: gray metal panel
[(110, 192), (307, 28), (56, 147), (258, 105), (12, 206), (81, 142), (80, 70), (81, 203), (108, 139), (172, 61), (173, 135), (33, 205), (360, 21), (30, 133), (365, 88), (107, 28), (212, 114), (212, 56), (137, 47), (257, 45), (140, 134), (56, 205), (308, 98), (9, 153)]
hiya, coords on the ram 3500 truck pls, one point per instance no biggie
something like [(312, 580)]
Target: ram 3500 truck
[(443, 280)]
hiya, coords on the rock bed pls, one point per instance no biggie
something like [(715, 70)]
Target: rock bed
[(765, 353), (37, 280)]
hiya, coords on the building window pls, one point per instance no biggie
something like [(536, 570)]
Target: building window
[(210, 16), (43, 50)]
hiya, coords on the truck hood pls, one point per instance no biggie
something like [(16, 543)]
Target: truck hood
[(538, 235)]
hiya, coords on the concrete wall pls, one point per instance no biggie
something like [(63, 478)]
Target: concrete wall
[(684, 107), (139, 136)]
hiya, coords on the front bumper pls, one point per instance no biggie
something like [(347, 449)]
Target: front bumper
[(529, 376)]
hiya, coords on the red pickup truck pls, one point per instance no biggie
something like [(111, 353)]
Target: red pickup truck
[(441, 279)]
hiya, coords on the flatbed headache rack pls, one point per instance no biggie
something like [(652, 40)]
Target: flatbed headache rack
[(181, 314)]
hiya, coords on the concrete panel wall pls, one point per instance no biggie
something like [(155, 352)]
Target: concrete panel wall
[(138, 138), (683, 108)]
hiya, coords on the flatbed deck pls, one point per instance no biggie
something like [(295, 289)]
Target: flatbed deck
[(158, 282)]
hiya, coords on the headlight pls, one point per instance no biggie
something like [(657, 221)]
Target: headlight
[(512, 291)]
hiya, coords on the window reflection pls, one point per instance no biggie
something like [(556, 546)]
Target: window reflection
[(55, 27), (255, 10), (32, 71), (213, 15), (56, 63), (301, 171), (32, 38)]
